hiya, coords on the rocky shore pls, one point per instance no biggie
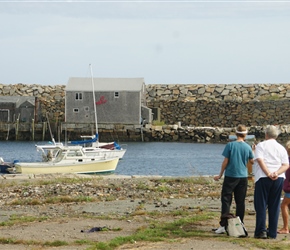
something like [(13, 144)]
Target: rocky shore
[(40, 209)]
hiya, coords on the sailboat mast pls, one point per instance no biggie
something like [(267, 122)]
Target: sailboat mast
[(94, 98)]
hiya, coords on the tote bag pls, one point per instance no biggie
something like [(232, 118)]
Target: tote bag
[(236, 228)]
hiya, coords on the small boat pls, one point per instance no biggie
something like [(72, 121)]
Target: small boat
[(69, 159), (91, 142), (6, 167)]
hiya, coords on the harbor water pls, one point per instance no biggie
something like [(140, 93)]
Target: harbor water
[(142, 158)]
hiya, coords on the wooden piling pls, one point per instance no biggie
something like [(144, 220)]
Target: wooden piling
[(16, 129), (43, 130), (32, 129)]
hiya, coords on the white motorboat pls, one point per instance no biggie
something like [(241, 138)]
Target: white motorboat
[(69, 159)]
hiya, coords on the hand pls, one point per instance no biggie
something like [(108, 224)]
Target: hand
[(273, 176), (216, 178)]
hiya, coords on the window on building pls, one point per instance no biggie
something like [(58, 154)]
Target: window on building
[(116, 94), (79, 96), (75, 110), (86, 108)]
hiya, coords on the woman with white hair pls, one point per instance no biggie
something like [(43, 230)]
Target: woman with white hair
[(271, 162)]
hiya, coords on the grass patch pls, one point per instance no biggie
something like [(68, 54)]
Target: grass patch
[(158, 123), (18, 219), (56, 243), (188, 227), (53, 200), (159, 231)]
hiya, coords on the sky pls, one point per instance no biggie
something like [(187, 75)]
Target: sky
[(164, 42)]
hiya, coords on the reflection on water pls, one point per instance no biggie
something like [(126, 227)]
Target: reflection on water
[(143, 158)]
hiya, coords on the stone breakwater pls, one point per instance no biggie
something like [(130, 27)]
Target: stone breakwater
[(221, 92), (202, 111), (205, 134), (221, 105)]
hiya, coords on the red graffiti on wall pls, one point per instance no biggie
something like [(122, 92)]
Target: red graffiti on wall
[(101, 101)]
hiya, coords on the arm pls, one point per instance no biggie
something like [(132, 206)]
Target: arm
[(223, 167), (273, 175), (263, 167), (282, 169)]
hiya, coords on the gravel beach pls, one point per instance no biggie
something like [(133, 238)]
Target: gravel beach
[(113, 201)]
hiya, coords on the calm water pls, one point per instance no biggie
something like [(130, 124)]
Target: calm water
[(143, 158)]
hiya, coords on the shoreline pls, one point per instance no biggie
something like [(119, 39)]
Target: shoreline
[(104, 176)]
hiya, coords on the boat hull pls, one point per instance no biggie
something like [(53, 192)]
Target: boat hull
[(90, 167)]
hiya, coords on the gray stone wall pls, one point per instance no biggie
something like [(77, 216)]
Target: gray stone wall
[(216, 105), (221, 105)]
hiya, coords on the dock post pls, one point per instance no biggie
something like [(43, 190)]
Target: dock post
[(43, 130), (16, 129), (32, 129)]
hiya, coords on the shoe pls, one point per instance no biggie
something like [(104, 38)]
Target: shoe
[(220, 230), (262, 235)]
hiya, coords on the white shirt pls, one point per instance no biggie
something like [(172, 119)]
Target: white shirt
[(273, 154)]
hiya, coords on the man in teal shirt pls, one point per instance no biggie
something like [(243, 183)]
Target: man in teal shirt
[(237, 155)]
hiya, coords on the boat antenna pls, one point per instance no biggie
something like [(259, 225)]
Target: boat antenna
[(94, 98), (51, 135)]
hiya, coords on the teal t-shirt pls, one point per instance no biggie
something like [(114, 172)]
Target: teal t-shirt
[(238, 154)]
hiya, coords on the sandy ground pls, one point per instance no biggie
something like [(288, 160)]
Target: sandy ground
[(67, 223)]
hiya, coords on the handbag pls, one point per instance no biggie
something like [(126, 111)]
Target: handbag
[(236, 228)]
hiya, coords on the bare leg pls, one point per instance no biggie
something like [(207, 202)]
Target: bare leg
[(285, 215)]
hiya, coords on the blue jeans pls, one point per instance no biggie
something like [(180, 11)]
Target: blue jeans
[(267, 196), (238, 187)]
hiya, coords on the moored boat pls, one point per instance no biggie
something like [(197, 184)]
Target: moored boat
[(70, 159), (6, 167), (91, 143)]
